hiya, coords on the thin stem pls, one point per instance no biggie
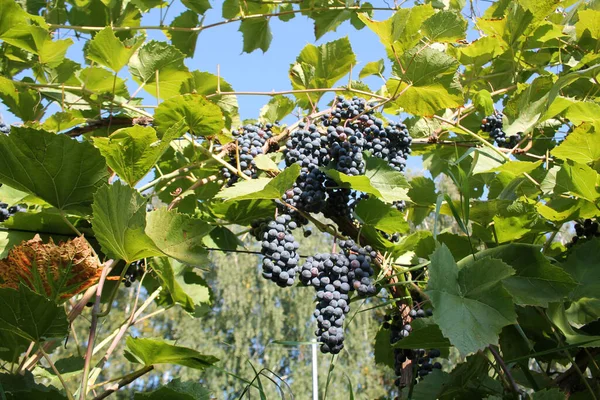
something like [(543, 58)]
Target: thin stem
[(173, 174), (507, 374), (93, 327), (59, 376), (224, 22), (299, 91), (127, 379), (196, 185)]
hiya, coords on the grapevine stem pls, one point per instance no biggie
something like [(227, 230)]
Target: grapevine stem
[(298, 91), (196, 185), (93, 327), (58, 374), (224, 22), (126, 380), (177, 172), (506, 370)]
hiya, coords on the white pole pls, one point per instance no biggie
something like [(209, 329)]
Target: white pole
[(315, 372)]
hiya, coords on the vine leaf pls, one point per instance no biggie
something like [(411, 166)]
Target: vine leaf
[(156, 351), (24, 103), (379, 179), (178, 235), (257, 34), (183, 40), (423, 195), (133, 152), (427, 84), (199, 6), (107, 50), (262, 188), (445, 26), (321, 67), (242, 212), (202, 117), (425, 334), (583, 264), (177, 390), (581, 146), (119, 219), (31, 315), (471, 306), (205, 83), (57, 272), (558, 316), (276, 109), (375, 213), (55, 168), (183, 285), (577, 179), (536, 281), (157, 60), (372, 68)]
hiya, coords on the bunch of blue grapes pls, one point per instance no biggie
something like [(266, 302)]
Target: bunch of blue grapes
[(279, 249), (334, 277), (6, 212), (584, 231), (493, 125), (250, 142), (135, 270), (424, 359)]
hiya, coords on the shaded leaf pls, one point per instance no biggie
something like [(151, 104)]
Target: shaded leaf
[(156, 351)]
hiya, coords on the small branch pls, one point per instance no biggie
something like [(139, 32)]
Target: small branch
[(298, 91), (224, 22), (58, 375), (125, 381), (165, 177), (196, 185), (93, 327), (507, 374)]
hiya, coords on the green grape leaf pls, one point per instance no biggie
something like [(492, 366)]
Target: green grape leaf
[(102, 81), (381, 216), (584, 266), (133, 152), (276, 109), (31, 316), (536, 281), (484, 102), (581, 146), (379, 179), (588, 22), (321, 67), (470, 304), (62, 121), (156, 351), (329, 20), (243, 212), (198, 6), (183, 285), (178, 235), (578, 180), (177, 390), (119, 219), (24, 103), (425, 334), (262, 188), (222, 238), (265, 163), (205, 83), (257, 34), (34, 162), (557, 314), (109, 51), (185, 40), (382, 353), (548, 394), (445, 26), (160, 68), (427, 84), (402, 30), (202, 117), (372, 68)]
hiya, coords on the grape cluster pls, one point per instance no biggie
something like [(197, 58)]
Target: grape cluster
[(334, 276), (250, 142), (278, 246), (587, 230), (6, 212), (346, 145), (135, 270), (493, 125), (423, 358), (391, 143)]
